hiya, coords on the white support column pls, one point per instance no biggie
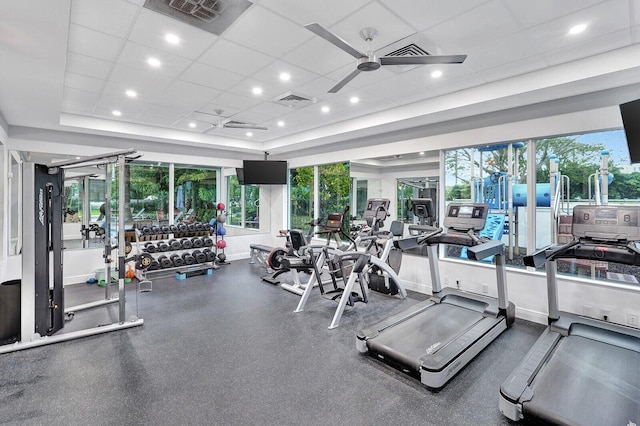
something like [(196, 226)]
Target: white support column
[(531, 196)]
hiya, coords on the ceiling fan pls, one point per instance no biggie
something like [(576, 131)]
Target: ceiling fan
[(228, 123), (369, 61)]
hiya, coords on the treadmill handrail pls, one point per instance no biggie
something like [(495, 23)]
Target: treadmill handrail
[(627, 254)]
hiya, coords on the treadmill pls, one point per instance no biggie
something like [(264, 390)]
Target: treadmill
[(435, 339), (581, 370)]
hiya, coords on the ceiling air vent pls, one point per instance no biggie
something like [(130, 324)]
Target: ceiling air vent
[(294, 100), (214, 16), (414, 45)]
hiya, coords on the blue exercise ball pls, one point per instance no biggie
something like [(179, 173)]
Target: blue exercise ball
[(222, 230)]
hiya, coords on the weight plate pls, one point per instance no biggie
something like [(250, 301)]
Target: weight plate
[(273, 258), (186, 243), (197, 243)]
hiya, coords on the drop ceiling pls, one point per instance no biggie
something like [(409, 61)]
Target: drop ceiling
[(67, 65)]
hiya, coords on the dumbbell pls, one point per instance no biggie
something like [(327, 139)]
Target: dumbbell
[(144, 261), (173, 229), (175, 245), (163, 246), (191, 227), (146, 230), (199, 226), (186, 243), (155, 230), (154, 265), (199, 256), (211, 255), (188, 259), (177, 260), (150, 248), (197, 242), (208, 242), (165, 229), (182, 227), (165, 262)]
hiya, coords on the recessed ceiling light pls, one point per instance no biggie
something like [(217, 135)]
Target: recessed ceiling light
[(577, 29), (325, 109), (285, 76), (280, 123), (116, 113), (131, 93), (192, 125), (172, 39), (436, 74), (77, 158), (249, 134), (354, 100), (154, 62), (421, 152), (257, 90)]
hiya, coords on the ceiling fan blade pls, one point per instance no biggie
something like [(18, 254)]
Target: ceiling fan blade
[(344, 81), (422, 60), (239, 125), (334, 39)]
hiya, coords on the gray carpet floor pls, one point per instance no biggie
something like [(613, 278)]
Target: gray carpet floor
[(227, 349)]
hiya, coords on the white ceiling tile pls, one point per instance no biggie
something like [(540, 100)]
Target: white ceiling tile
[(326, 12), (152, 118), (94, 43), (389, 27), (503, 51), (233, 57), (271, 74), (147, 82), (588, 48), (514, 68), (108, 16), (602, 19), (188, 95), (79, 101), (531, 13), (245, 87), (319, 56), (276, 37), (488, 22), (167, 111), (183, 124), (130, 108), (233, 100), (424, 14), (81, 82), (145, 94), (89, 66), (270, 109), (135, 56), (211, 77), (151, 28)]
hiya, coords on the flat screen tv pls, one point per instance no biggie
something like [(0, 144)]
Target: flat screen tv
[(240, 175), (630, 112), (265, 172)]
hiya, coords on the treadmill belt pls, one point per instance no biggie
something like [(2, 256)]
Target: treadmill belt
[(436, 326), (587, 382)]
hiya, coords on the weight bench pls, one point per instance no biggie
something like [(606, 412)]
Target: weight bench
[(259, 253)]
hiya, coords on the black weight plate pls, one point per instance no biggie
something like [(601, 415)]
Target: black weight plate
[(197, 243), (191, 227), (273, 258), (173, 228), (208, 242), (155, 230), (211, 255), (182, 227), (200, 257), (162, 246), (189, 260), (154, 265), (199, 227), (127, 247), (146, 230), (186, 243), (165, 229), (175, 244), (150, 248)]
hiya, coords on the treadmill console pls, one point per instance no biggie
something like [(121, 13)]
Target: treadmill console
[(466, 216), (607, 223), (377, 208)]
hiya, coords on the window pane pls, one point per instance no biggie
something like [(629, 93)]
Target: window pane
[(198, 190), (334, 188), (301, 194), (234, 202), (251, 206)]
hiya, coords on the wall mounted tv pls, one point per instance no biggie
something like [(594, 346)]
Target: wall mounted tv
[(240, 175), (265, 172), (630, 112)]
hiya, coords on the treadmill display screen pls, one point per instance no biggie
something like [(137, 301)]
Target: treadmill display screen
[(463, 217), (465, 211), (607, 223)]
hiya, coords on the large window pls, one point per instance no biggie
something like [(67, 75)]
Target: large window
[(301, 197), (243, 204), (572, 167), (195, 192), (334, 188)]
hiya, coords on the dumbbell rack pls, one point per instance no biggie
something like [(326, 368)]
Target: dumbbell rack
[(185, 249)]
